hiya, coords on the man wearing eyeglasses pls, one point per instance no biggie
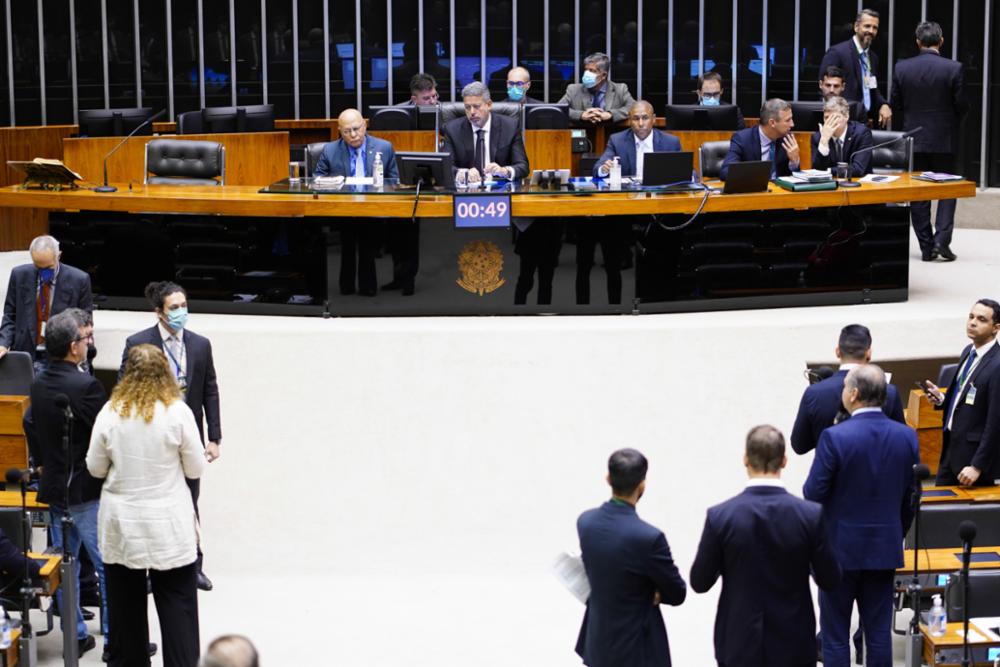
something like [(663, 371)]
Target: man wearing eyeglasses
[(518, 85), (710, 92)]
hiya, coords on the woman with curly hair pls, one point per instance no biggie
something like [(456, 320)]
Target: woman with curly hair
[(144, 443)]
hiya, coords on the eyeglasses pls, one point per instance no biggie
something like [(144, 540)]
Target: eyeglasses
[(352, 130), (517, 84), (78, 339), (712, 96)]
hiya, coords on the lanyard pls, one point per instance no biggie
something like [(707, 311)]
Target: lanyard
[(177, 364)]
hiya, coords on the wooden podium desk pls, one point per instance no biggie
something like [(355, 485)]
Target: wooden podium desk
[(984, 646), (12, 498), (961, 494), (949, 559)]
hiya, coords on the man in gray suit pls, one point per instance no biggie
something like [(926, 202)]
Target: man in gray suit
[(597, 99)]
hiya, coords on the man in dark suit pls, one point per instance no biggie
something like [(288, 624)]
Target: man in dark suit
[(67, 335), (190, 357), (821, 406), (839, 139), (631, 572), (36, 292), (354, 155), (929, 92), (859, 64), (710, 92), (518, 85), (764, 543), (970, 452), (863, 476), (484, 144), (628, 146), (771, 140), (831, 84), (597, 99), (423, 91)]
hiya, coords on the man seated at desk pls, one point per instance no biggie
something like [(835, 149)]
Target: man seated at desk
[(839, 139), (772, 140), (483, 144), (354, 155), (596, 99), (631, 145), (710, 95), (423, 91)]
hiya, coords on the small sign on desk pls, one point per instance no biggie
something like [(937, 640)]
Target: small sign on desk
[(481, 210)]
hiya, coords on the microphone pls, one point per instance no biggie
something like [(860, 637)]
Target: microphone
[(62, 402), (851, 184), (921, 472), (18, 476), (966, 531), (111, 188)]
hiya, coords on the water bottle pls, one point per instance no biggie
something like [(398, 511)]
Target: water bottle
[(377, 171), (616, 175), (4, 630), (937, 619)]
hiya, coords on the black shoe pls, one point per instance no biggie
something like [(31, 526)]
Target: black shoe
[(204, 583), (87, 614), (929, 255), (106, 655), (945, 253), (86, 644), (395, 284)]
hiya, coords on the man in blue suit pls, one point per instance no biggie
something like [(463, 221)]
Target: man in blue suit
[(630, 145), (36, 292), (863, 476), (840, 139), (631, 573), (821, 405), (859, 64), (764, 543), (354, 155), (771, 140)]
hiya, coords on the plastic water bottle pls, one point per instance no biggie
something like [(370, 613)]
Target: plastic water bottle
[(4, 630), (615, 175), (377, 171), (937, 618)]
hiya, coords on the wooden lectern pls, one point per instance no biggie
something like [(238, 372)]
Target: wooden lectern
[(13, 445), (921, 415)]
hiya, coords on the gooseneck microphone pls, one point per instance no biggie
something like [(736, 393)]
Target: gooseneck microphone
[(914, 640), (967, 532), (111, 188), (850, 159), (18, 476)]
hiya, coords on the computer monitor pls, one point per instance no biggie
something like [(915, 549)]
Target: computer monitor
[(427, 117), (429, 169), (391, 118), (546, 116), (724, 117), (255, 118), (808, 116), (114, 122)]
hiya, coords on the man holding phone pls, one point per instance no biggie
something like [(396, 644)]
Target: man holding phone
[(970, 452)]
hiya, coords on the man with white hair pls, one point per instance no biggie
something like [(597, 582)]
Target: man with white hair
[(36, 292)]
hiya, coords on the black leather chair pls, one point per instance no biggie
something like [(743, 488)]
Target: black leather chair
[(313, 153), (939, 525), (984, 595), (391, 118), (185, 162), (16, 374), (248, 118), (710, 157), (894, 158), (946, 374)]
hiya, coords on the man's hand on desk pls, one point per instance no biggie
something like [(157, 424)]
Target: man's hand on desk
[(212, 451), (468, 176), (969, 475), (497, 170)]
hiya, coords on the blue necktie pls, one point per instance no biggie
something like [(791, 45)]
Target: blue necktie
[(866, 93), (770, 156), (962, 377), (359, 163)]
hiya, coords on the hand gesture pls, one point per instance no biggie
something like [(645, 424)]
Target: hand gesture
[(884, 115), (791, 147)]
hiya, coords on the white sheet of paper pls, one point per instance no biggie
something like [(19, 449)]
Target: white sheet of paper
[(354, 180), (882, 178), (569, 570)]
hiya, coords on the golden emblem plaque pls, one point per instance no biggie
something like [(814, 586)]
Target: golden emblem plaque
[(481, 263)]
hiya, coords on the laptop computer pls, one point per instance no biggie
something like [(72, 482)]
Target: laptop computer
[(747, 177), (668, 168)]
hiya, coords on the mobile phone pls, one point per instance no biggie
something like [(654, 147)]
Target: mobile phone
[(922, 385)]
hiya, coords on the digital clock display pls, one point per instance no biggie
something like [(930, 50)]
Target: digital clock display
[(476, 211)]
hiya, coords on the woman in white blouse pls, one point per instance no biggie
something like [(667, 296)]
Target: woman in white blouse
[(144, 443)]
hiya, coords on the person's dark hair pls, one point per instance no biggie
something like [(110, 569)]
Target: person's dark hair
[(929, 34), (832, 72), (626, 469), (866, 12), (869, 380), (61, 331), (422, 81), (708, 76), (765, 449), (157, 293), (992, 305), (855, 341)]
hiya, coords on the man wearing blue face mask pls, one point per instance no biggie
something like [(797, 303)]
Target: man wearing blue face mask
[(710, 95), (596, 99), (36, 292), (190, 359), (518, 85)]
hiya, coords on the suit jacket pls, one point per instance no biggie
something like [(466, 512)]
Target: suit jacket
[(44, 429), (764, 543), (845, 56), (975, 429), (506, 144), (335, 160), (856, 138), (617, 100), (820, 404), (12, 567), (525, 100), (622, 144), (18, 329), (744, 146), (928, 91), (863, 476), (202, 389), (627, 560)]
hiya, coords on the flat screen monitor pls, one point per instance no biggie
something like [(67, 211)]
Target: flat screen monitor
[(391, 118), (546, 116), (724, 117), (429, 169), (808, 116), (114, 122), (427, 117), (256, 118)]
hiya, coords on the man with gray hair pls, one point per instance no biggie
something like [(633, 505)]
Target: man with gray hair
[(482, 144), (771, 140), (36, 292), (862, 475), (596, 99), (839, 139)]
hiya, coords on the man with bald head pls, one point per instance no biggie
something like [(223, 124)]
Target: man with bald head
[(230, 651), (630, 145), (518, 85), (862, 475), (354, 155)]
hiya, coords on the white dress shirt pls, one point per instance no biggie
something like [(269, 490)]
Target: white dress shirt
[(486, 138), (642, 146), (146, 518), (765, 481), (178, 366)]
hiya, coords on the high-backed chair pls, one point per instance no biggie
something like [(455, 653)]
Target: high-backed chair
[(185, 162), (16, 374), (451, 110), (313, 153), (894, 158), (252, 118), (939, 525), (710, 157)]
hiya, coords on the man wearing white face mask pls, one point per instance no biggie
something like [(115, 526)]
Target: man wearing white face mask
[(190, 359), (596, 99)]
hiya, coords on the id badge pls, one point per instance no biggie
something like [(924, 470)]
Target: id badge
[(872, 81), (43, 328), (970, 396)]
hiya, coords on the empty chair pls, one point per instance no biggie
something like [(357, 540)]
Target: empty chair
[(746, 232), (313, 153), (731, 276), (984, 595), (939, 525), (254, 118), (16, 374), (114, 122), (946, 374), (893, 158), (185, 162), (784, 232), (711, 154)]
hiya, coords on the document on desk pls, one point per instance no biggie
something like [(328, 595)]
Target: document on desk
[(989, 625), (569, 570), (878, 178)]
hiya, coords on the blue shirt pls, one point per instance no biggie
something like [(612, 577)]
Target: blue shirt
[(355, 152)]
